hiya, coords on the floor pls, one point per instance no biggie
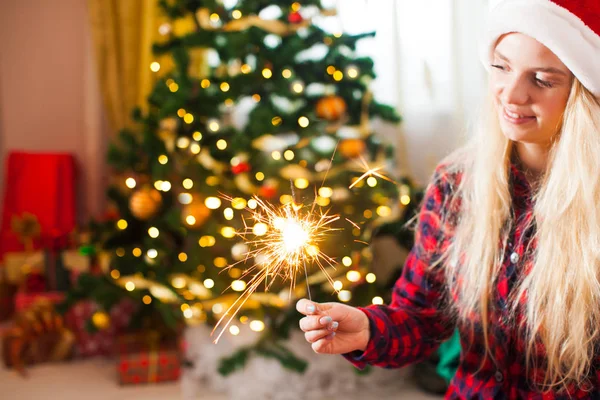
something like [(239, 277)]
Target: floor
[(95, 379)]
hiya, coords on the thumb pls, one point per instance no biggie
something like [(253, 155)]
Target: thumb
[(307, 307)]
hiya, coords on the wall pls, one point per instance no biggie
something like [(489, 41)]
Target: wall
[(48, 95)]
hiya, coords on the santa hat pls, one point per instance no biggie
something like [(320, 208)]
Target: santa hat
[(569, 28)]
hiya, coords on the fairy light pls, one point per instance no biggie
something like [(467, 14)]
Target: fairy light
[(220, 262), (120, 252), (152, 253), (331, 70), (352, 72), (207, 241), (188, 313), (182, 257), (188, 118), (209, 283), (368, 214), (257, 326), (338, 76), (130, 183), (289, 155), (146, 299), (212, 180), (217, 308), (154, 66), (238, 203), (260, 229), (325, 191), (173, 87), (214, 126), (323, 201), (377, 300), (214, 17), (353, 276), (259, 176), (285, 199), (228, 232), (384, 211), (276, 121), (228, 213), (137, 252), (183, 142), (115, 274), (190, 220), (238, 286), (130, 286), (246, 69), (234, 330), (286, 73), (165, 186), (188, 183), (370, 277), (252, 204), (405, 200), (276, 155), (338, 285), (267, 73), (163, 159), (122, 224), (298, 87), (153, 232), (185, 198), (224, 87), (221, 144), (345, 295), (371, 181), (212, 202), (301, 183), (347, 261), (178, 283), (303, 122), (256, 98)]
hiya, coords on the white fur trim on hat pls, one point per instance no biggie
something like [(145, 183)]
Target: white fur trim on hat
[(577, 45)]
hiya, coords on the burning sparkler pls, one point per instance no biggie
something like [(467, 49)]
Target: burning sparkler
[(369, 171), (287, 238)]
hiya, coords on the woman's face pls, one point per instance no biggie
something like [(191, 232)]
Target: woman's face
[(531, 87)]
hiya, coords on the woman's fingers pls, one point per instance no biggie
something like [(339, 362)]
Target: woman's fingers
[(313, 336), (314, 322)]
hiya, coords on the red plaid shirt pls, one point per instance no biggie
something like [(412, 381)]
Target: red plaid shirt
[(413, 325)]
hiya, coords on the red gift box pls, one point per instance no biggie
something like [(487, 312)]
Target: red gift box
[(24, 300), (101, 342), (144, 359)]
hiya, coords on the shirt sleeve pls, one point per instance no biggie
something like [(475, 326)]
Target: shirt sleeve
[(417, 321)]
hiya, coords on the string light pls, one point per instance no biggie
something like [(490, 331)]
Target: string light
[(246, 69), (228, 232), (190, 220), (301, 183), (238, 203), (207, 241), (130, 286), (353, 276), (384, 211), (234, 330), (228, 213), (221, 144), (185, 198), (137, 252), (188, 183), (405, 199), (166, 186), (256, 98), (153, 232), (213, 126), (323, 201), (370, 277), (286, 73), (155, 66), (209, 283), (182, 257), (179, 283), (260, 229), (195, 148), (130, 183), (338, 285), (197, 136), (267, 73), (338, 76), (238, 286), (252, 204), (152, 253), (298, 87), (285, 199), (377, 300), (288, 155), (173, 87), (259, 176), (122, 224), (188, 118), (188, 313), (120, 252), (225, 87), (372, 181), (214, 17), (164, 29), (115, 274), (212, 180), (331, 70), (352, 72), (325, 191), (347, 261), (257, 326), (220, 262), (183, 142), (276, 155), (303, 122), (163, 159), (276, 121), (205, 83), (146, 299), (345, 295)]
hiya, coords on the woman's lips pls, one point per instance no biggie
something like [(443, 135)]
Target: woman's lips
[(515, 118)]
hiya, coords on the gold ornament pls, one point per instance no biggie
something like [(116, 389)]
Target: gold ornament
[(145, 203), (331, 108), (198, 212), (101, 320), (352, 148)]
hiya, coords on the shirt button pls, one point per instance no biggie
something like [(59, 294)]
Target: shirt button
[(514, 258), (498, 376)]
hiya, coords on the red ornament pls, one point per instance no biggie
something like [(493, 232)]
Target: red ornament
[(267, 192), (241, 167), (295, 17)]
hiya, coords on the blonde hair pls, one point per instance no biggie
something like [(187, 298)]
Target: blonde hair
[(562, 289)]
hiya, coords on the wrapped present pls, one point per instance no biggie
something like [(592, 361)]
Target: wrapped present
[(7, 301), (146, 358), (82, 260), (17, 265), (106, 326), (37, 335), (24, 300)]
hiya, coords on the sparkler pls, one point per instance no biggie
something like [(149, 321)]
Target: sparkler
[(369, 171), (288, 237)]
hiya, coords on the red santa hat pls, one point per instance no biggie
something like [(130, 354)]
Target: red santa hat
[(569, 28)]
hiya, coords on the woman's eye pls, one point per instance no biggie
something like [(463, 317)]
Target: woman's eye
[(543, 83), (500, 67)]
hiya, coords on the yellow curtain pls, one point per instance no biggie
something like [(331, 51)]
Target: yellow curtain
[(123, 33)]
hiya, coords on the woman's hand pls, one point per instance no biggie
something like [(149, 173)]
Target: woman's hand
[(333, 328)]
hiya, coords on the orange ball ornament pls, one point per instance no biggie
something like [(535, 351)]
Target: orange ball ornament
[(145, 203), (196, 213), (352, 148), (331, 108)]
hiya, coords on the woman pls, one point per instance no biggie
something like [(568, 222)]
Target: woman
[(508, 239)]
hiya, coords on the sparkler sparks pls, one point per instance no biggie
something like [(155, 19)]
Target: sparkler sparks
[(289, 237), (369, 171)]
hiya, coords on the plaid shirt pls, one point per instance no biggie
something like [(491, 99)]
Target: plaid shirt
[(413, 325)]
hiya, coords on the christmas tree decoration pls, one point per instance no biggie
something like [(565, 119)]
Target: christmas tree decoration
[(101, 320), (295, 17), (145, 203), (196, 213), (331, 108), (352, 148)]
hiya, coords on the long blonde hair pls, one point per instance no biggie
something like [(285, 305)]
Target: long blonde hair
[(562, 289)]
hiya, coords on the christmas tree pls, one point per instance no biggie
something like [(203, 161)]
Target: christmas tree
[(260, 104)]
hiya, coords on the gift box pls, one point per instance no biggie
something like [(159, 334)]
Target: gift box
[(37, 335), (7, 301), (24, 301), (145, 358), (18, 264), (102, 341)]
